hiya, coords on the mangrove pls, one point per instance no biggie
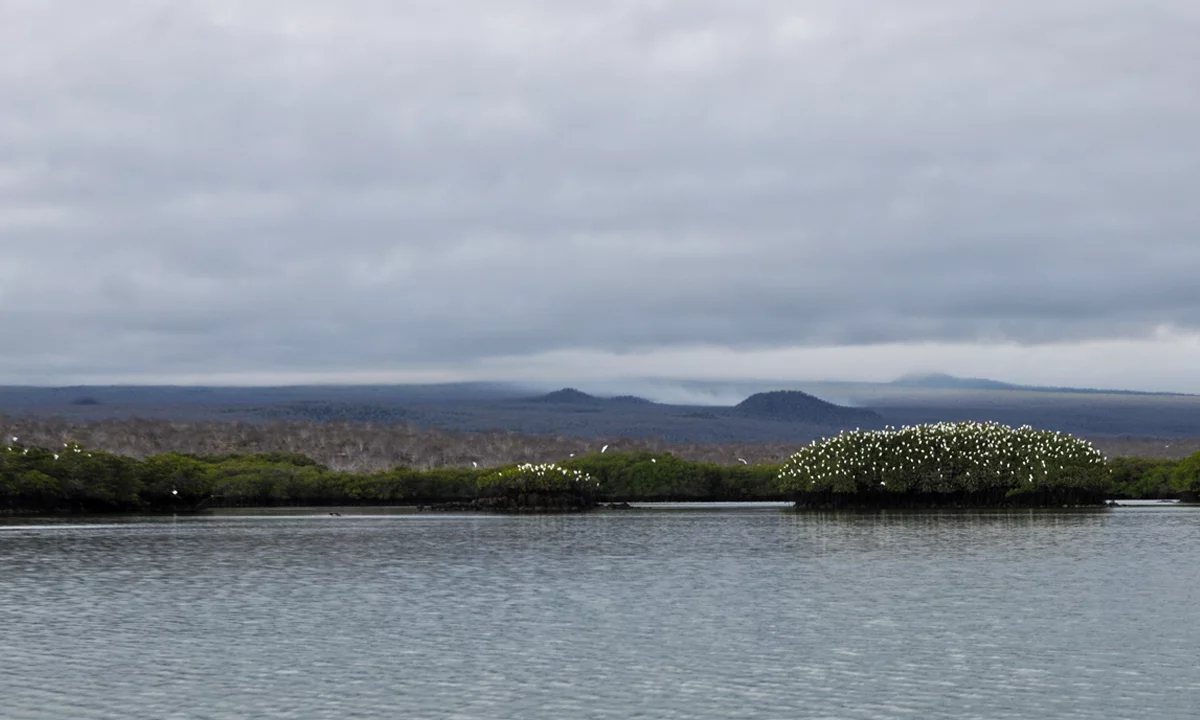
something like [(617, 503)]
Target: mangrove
[(965, 464), (982, 466)]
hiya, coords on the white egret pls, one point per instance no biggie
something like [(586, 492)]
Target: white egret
[(603, 448), (743, 461), (474, 464)]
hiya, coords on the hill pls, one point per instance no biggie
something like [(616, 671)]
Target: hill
[(567, 396), (942, 381), (767, 413), (800, 407)]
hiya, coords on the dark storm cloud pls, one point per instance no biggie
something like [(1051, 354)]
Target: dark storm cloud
[(191, 187)]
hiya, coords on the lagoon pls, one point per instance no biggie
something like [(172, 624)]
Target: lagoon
[(675, 611)]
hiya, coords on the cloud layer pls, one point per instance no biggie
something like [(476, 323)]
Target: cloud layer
[(204, 189)]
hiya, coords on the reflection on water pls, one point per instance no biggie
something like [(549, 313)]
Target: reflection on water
[(751, 613)]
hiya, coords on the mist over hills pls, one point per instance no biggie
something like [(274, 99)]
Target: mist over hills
[(782, 414), (943, 381)]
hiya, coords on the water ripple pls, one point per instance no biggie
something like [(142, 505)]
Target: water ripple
[(644, 614)]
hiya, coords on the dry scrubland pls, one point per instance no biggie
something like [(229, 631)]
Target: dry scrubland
[(359, 447), (366, 447)]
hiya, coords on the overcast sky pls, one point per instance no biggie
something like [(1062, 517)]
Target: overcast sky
[(225, 191)]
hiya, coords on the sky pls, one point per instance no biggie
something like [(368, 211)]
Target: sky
[(269, 192)]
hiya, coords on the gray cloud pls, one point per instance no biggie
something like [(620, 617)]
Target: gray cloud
[(222, 187)]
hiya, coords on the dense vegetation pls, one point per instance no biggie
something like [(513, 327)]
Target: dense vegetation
[(544, 486), (72, 478), (543, 477), (970, 464), (1148, 478)]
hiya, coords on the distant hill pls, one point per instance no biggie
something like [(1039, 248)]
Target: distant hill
[(772, 415), (571, 396), (800, 407), (942, 381), (630, 400), (567, 396)]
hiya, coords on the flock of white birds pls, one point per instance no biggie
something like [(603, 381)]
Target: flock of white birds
[(542, 476), (25, 451), (943, 457)]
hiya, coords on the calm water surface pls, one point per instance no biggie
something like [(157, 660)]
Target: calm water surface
[(665, 613)]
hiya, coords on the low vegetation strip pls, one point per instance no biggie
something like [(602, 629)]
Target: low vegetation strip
[(73, 478)]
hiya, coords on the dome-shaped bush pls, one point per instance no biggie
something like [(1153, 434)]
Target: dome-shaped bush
[(969, 462)]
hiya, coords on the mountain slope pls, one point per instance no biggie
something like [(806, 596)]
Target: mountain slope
[(800, 407)]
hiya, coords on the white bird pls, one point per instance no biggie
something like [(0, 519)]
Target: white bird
[(653, 460), (174, 492), (603, 448), (743, 461), (474, 464)]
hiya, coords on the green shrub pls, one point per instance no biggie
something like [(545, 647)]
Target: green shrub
[(970, 458), (541, 478), (1185, 476), (662, 476)]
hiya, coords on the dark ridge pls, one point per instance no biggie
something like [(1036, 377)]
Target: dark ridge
[(85, 401), (942, 381), (800, 407), (631, 400), (567, 395)]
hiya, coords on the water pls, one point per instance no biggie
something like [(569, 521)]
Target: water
[(665, 613)]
